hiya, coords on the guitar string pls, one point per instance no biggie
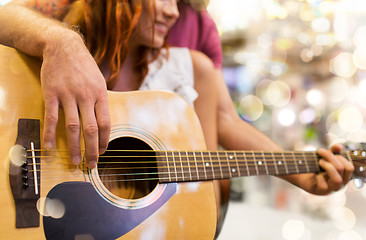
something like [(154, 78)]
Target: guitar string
[(248, 163), (358, 153), (191, 153), (179, 176), (219, 151), (273, 161), (245, 152), (288, 161), (204, 153), (216, 162), (187, 169), (184, 174)]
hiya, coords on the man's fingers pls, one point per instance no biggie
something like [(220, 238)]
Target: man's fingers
[(332, 176), (336, 148), (348, 170), (50, 123), (72, 125), (90, 133), (322, 184), (344, 167), (334, 160), (104, 124)]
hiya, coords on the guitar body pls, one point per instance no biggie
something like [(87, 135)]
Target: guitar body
[(84, 207)]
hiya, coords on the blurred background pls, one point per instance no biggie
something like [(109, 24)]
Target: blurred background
[(296, 70)]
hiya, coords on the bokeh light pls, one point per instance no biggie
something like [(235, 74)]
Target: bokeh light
[(343, 218), (342, 65), (286, 117), (314, 97), (350, 119), (251, 107)]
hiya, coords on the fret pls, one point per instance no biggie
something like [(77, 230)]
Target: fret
[(245, 164), (302, 162), (193, 166), (291, 163), (163, 169), (265, 161), (188, 166), (233, 163), (237, 164), (242, 163), (195, 162), (312, 162), (228, 164), (172, 159), (207, 162), (306, 162), (225, 168), (254, 159), (281, 167), (252, 166), (168, 167), (297, 162), (173, 169), (260, 164), (181, 166), (218, 163), (274, 163), (212, 166), (203, 165), (316, 161), (286, 162), (217, 171)]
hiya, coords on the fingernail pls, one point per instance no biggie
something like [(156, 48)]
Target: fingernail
[(92, 164), (75, 160), (101, 150)]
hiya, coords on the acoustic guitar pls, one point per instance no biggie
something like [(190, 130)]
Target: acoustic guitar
[(153, 182)]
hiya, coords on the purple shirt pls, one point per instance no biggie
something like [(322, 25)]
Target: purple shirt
[(196, 30)]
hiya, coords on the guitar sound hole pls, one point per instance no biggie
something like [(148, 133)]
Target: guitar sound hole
[(128, 168)]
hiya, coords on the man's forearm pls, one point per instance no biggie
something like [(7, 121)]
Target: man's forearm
[(29, 31)]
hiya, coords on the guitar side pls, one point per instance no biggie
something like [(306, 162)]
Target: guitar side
[(189, 213)]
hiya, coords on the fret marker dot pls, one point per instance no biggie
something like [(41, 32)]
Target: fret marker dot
[(260, 163), (362, 169), (279, 162), (363, 154), (231, 157), (207, 164), (355, 153), (233, 170), (300, 162)]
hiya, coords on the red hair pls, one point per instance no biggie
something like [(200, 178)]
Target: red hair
[(107, 26)]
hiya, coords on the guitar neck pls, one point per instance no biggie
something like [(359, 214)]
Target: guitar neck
[(178, 166)]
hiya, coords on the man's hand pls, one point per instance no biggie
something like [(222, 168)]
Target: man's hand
[(71, 79), (337, 172)]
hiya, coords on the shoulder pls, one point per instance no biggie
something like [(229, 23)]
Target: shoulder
[(201, 63)]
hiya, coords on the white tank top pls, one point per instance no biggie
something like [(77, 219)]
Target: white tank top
[(174, 73)]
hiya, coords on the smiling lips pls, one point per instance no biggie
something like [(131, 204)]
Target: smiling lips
[(161, 27)]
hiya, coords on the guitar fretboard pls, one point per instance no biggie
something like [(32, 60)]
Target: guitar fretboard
[(185, 166)]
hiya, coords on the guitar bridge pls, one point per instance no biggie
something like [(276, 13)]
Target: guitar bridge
[(24, 173)]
